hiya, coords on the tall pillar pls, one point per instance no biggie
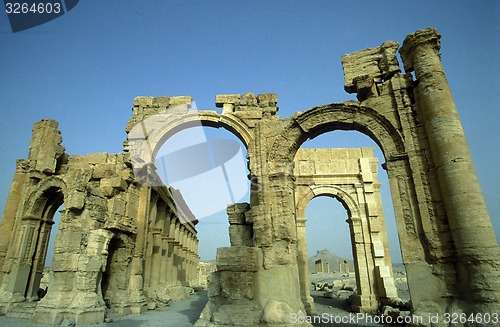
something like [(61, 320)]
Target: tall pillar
[(164, 261), (191, 258), (171, 252), (164, 273), (302, 260), (155, 261), (184, 259), (473, 236)]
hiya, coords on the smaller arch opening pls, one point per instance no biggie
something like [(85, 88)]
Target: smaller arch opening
[(327, 227), (46, 217), (115, 278), (330, 248)]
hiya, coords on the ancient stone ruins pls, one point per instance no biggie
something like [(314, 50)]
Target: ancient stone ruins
[(127, 244)]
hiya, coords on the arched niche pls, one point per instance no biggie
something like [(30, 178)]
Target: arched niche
[(37, 222)]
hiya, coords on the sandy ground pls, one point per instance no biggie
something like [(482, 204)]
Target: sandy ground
[(178, 314), (331, 311)]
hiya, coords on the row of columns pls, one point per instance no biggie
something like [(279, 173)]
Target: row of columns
[(171, 257)]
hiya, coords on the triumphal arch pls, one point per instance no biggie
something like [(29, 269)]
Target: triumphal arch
[(126, 242)]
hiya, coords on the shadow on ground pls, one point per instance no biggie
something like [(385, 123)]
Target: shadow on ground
[(197, 303)]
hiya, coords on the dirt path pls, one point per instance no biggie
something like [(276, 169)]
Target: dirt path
[(178, 314)]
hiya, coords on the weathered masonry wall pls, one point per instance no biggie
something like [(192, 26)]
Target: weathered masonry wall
[(448, 244), (121, 246)]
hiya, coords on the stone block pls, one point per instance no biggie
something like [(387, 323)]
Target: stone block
[(180, 100), (237, 258), (389, 288), (281, 253), (75, 200), (276, 312), (240, 235), (237, 285), (378, 250), (377, 64), (161, 102), (213, 283), (103, 170), (267, 99), (383, 271), (248, 114), (247, 314), (371, 209), (143, 101)]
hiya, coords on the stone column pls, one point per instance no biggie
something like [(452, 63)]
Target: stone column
[(140, 195), (171, 252), (302, 260), (176, 255), (184, 254), (21, 261), (165, 250), (468, 217), (164, 261), (191, 259), (155, 260)]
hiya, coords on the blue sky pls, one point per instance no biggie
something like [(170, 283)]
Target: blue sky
[(85, 68)]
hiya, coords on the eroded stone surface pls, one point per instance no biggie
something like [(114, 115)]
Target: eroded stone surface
[(118, 236)]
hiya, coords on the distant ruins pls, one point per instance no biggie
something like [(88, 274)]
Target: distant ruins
[(125, 244)]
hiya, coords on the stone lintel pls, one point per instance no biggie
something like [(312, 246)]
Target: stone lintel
[(221, 99), (238, 104)]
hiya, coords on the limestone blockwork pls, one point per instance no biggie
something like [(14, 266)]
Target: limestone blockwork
[(350, 175), (448, 245), (121, 246)]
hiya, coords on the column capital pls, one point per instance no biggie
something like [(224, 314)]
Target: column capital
[(417, 44), (156, 230)]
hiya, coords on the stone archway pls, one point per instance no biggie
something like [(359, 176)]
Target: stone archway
[(30, 246), (157, 119), (350, 116), (350, 175)]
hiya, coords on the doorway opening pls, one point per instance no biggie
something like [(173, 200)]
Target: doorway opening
[(351, 175)]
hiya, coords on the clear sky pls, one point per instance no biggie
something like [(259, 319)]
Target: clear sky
[(85, 68)]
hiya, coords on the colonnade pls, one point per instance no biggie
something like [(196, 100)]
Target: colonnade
[(171, 251)]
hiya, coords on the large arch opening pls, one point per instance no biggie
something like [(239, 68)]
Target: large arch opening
[(321, 121), (354, 139), (208, 167)]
